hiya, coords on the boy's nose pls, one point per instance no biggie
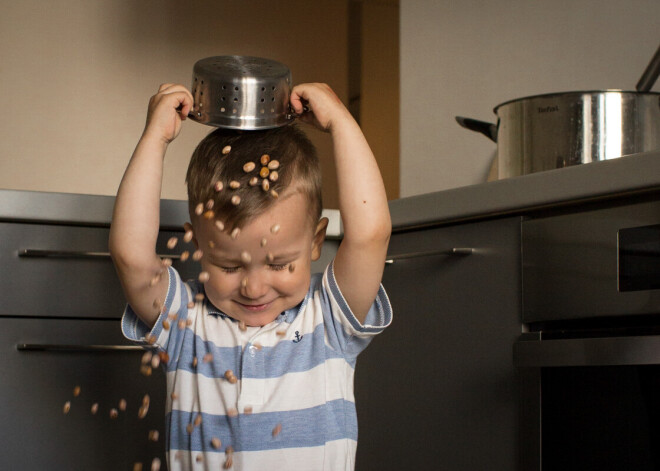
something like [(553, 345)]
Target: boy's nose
[(254, 285)]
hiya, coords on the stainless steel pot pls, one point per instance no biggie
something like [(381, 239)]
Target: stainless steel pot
[(558, 130), (241, 92)]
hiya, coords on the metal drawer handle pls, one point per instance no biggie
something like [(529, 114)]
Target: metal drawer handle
[(460, 251), (38, 253), (43, 347)]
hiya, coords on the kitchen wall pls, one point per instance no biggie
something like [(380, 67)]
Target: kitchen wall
[(463, 58), (77, 77)]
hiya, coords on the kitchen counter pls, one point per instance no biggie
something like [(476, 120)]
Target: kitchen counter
[(633, 174), (629, 175)]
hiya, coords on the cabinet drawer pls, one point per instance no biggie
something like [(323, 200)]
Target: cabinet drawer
[(66, 271), (35, 432)]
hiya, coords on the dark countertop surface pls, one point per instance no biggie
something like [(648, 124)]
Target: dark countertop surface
[(634, 174)]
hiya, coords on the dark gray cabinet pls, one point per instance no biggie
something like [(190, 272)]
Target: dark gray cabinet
[(437, 390)]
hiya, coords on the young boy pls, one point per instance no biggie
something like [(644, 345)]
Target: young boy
[(260, 355)]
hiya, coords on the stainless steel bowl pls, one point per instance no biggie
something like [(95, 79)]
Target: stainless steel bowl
[(241, 92)]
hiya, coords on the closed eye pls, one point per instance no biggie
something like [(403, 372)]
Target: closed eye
[(278, 266), (230, 269)]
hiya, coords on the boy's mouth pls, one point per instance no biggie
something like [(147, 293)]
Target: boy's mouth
[(255, 307)]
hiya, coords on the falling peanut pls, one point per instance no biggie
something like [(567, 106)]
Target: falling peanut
[(273, 176), (153, 435), (229, 462), (122, 405), (155, 361), (171, 242), (274, 194), (208, 358), (184, 256), (218, 186), (226, 150), (187, 236), (234, 185), (269, 257), (273, 164), (275, 228), (232, 412), (114, 413), (155, 464), (263, 173), (264, 241), (235, 232), (199, 209), (198, 297), (182, 324), (242, 326), (67, 407), (235, 200), (248, 167), (137, 466), (277, 430), (198, 420), (265, 185), (76, 391), (203, 277), (210, 204), (166, 262), (254, 181), (208, 214), (247, 410), (265, 159), (194, 362), (190, 305), (219, 225), (246, 257), (216, 443), (166, 324), (197, 255), (281, 333), (229, 374), (95, 408)]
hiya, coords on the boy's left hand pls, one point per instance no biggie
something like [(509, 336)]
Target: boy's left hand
[(325, 108)]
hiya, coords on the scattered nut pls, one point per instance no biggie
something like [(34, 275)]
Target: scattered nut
[(254, 181), (216, 443), (229, 374), (270, 257), (76, 391), (210, 204), (154, 281), (244, 282), (233, 380), (198, 420), (189, 429), (219, 225), (184, 256), (153, 435), (208, 358), (191, 304), (174, 396), (234, 185), (145, 370), (155, 464), (114, 413), (197, 255), (242, 326), (155, 361), (137, 466), (171, 242), (187, 236), (208, 214), (122, 405), (263, 173), (281, 333), (235, 232), (182, 324), (246, 257), (273, 164), (218, 186), (95, 408), (199, 458), (199, 209), (273, 176), (67, 407), (232, 412), (166, 324), (277, 430), (203, 277), (229, 462), (235, 200), (229, 450), (265, 159), (275, 228), (167, 262), (194, 362), (198, 297), (248, 167), (265, 185), (226, 150), (247, 410), (264, 241), (274, 194), (164, 357)]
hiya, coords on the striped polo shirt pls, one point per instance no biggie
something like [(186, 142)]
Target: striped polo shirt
[(291, 404)]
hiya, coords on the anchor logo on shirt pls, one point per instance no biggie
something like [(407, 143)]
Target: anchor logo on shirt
[(298, 337)]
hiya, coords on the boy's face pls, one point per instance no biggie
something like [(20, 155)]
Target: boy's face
[(244, 283)]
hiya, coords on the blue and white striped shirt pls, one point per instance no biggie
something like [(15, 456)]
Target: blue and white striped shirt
[(295, 373)]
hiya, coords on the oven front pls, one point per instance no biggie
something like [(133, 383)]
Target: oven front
[(589, 359)]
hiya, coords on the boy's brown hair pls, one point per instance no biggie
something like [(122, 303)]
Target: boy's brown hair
[(299, 170)]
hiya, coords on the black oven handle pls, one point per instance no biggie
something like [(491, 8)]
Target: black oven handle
[(634, 350)]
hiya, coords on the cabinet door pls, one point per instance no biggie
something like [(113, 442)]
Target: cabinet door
[(65, 271), (43, 360), (437, 389)]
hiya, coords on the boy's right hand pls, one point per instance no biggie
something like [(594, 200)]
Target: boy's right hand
[(167, 109)]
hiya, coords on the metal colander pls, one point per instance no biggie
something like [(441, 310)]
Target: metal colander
[(241, 92)]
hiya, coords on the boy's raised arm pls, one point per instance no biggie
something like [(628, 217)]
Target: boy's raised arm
[(360, 259), (136, 216)]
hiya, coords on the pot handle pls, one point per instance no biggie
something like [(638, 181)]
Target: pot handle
[(487, 129)]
